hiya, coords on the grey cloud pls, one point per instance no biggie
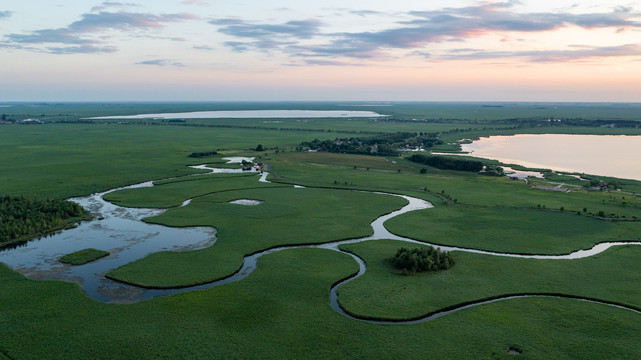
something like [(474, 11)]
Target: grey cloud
[(302, 29), (323, 62), (76, 33), (160, 62), (81, 49), (445, 25), (108, 4), (456, 24), (5, 14), (542, 56), (365, 12), (266, 36)]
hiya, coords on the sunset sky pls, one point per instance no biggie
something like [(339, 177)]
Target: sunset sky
[(213, 50)]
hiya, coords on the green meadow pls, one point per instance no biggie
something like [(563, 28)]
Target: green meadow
[(282, 309)]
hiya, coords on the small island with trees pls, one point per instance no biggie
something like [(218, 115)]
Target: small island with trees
[(423, 259)]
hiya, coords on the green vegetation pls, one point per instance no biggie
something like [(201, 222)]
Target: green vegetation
[(282, 309), (84, 256), (379, 293), (421, 260), (201, 154), (22, 218), (511, 230), (380, 145), (448, 163), (287, 216)]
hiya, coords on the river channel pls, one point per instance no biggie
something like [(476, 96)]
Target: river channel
[(120, 231)]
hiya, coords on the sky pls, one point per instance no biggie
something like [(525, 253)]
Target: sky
[(330, 50)]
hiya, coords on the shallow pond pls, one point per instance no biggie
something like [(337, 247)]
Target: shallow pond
[(616, 156)]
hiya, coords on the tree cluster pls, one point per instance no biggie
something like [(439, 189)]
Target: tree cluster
[(422, 259), (382, 144), (22, 217), (447, 163), (201, 154)]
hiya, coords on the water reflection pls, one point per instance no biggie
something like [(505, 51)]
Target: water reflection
[(615, 156), (115, 229)]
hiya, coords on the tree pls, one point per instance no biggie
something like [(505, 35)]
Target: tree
[(260, 147), (421, 259)]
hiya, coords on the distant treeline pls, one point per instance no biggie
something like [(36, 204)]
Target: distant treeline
[(381, 144), (201, 154), (23, 217), (447, 163)]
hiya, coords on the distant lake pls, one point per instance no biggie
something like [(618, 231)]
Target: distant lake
[(250, 114), (605, 155)]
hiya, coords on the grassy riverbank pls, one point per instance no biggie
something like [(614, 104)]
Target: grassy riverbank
[(524, 231), (282, 309), (286, 216), (381, 293)]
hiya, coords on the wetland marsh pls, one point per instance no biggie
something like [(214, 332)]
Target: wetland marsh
[(299, 268)]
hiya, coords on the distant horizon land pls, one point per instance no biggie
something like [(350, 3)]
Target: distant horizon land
[(366, 102)]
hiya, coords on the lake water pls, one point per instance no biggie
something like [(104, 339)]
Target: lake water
[(249, 114), (616, 156)]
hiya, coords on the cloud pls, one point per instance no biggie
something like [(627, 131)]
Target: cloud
[(266, 36), (323, 62), (5, 14), (468, 22), (80, 32), (108, 4), (415, 34), (195, 2), (543, 56), (160, 62), (364, 13), (302, 29), (81, 49)]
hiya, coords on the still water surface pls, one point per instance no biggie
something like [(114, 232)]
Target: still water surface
[(616, 156), (249, 114)]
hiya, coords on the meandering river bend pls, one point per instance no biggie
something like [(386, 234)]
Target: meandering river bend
[(120, 231)]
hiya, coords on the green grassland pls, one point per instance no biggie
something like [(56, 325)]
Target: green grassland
[(514, 231), (287, 216), (64, 160), (169, 193), (381, 293), (282, 309), (84, 256)]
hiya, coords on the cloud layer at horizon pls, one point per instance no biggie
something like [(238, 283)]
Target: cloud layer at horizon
[(193, 36)]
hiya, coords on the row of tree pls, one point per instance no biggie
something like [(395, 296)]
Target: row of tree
[(383, 144), (201, 154), (422, 259), (23, 217), (447, 163)]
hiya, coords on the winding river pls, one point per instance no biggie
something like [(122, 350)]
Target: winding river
[(120, 230)]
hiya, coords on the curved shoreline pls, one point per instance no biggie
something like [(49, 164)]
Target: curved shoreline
[(249, 264)]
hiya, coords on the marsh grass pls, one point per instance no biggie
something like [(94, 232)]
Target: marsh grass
[(84, 256)]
